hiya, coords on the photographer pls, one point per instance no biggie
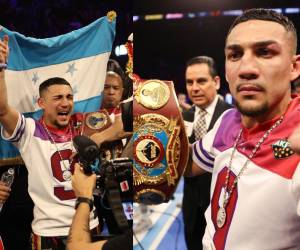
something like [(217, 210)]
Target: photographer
[(79, 235)]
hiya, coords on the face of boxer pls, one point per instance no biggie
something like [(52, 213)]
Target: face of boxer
[(57, 103)]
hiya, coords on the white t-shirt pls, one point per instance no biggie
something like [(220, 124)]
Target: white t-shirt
[(52, 195), (263, 210)]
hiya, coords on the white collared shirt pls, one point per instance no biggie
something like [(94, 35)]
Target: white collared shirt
[(210, 109)]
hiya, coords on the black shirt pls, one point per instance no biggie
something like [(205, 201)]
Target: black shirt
[(123, 241)]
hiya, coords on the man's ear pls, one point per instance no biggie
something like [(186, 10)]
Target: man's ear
[(41, 102), (217, 82), (295, 67)]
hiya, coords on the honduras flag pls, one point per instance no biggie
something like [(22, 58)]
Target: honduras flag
[(80, 57)]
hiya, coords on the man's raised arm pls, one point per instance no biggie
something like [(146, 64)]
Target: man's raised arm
[(8, 115)]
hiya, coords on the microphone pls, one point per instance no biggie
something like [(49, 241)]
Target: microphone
[(88, 151)]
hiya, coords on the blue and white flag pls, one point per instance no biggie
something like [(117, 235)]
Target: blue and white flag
[(80, 57)]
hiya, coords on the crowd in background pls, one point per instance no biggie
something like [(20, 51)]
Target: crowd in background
[(43, 19), (51, 18)]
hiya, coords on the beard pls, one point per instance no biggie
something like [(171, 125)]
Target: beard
[(253, 111), (61, 125)]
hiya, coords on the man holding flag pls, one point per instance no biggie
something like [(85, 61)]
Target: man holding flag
[(45, 143)]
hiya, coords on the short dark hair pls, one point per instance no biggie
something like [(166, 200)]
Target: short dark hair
[(210, 62), (52, 81), (114, 66), (266, 15)]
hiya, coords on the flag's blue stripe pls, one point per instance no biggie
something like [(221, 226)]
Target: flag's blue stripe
[(8, 150), (88, 105), (94, 39)]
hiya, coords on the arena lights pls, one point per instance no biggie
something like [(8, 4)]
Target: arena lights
[(174, 16), (154, 17), (120, 50), (292, 10), (277, 10), (203, 14), (232, 12), (191, 15), (215, 13)]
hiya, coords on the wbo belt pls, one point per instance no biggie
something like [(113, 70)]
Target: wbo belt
[(160, 148), (93, 122)]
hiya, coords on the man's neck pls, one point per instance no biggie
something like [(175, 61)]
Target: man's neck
[(54, 127), (210, 106), (273, 113)]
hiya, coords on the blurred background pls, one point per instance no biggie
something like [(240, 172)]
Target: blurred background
[(168, 33)]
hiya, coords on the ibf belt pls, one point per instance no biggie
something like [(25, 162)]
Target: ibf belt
[(95, 122), (160, 148)]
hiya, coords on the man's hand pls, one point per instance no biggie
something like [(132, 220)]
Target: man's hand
[(98, 138), (295, 140), (79, 235), (4, 50), (114, 132), (4, 192), (83, 185)]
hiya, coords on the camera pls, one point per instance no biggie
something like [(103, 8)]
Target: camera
[(88, 153), (118, 169), (114, 179)]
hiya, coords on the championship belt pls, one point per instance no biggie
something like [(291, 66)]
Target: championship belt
[(160, 148), (95, 122)]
